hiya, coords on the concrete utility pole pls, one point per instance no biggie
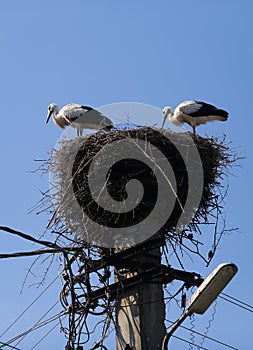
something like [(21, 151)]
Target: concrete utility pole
[(138, 292), (141, 310)]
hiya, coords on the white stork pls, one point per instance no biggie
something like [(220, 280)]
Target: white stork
[(79, 117), (194, 113)]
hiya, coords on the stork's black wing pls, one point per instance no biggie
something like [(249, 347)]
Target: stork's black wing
[(207, 109)]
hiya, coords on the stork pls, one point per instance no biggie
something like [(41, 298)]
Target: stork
[(79, 117), (194, 113)]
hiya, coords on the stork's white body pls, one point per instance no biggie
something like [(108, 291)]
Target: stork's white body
[(194, 113), (79, 117)]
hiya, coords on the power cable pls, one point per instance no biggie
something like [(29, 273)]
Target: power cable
[(28, 237), (53, 246), (51, 308), (42, 338), (209, 323), (42, 324), (188, 342), (10, 346), (207, 337), (32, 253), (29, 306), (236, 302), (192, 341)]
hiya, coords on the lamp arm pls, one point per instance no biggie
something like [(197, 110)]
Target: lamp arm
[(173, 328)]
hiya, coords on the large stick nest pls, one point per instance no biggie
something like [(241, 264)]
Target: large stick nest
[(76, 162)]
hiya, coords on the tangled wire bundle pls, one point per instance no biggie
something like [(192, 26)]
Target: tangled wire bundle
[(174, 169)]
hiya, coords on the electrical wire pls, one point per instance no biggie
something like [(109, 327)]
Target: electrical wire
[(31, 253), (42, 324), (28, 237), (53, 246), (41, 339), (77, 324), (10, 346), (241, 302), (236, 302), (192, 337), (50, 331), (51, 308), (206, 337), (188, 342), (28, 307), (209, 323)]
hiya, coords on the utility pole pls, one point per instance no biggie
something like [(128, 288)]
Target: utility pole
[(141, 310), (138, 292)]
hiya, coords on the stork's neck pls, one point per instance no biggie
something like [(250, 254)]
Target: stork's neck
[(173, 117), (55, 111)]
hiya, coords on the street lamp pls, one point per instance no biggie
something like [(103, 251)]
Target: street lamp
[(204, 296)]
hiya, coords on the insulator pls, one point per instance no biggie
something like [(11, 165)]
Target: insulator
[(183, 301)]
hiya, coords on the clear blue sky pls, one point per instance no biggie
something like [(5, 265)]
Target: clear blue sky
[(101, 52)]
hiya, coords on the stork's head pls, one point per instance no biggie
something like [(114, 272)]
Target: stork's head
[(52, 108), (167, 112)]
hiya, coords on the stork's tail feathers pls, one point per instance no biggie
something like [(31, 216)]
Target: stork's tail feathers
[(221, 118), (222, 114), (210, 118), (219, 114)]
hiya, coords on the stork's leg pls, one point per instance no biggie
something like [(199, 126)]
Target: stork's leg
[(194, 130)]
